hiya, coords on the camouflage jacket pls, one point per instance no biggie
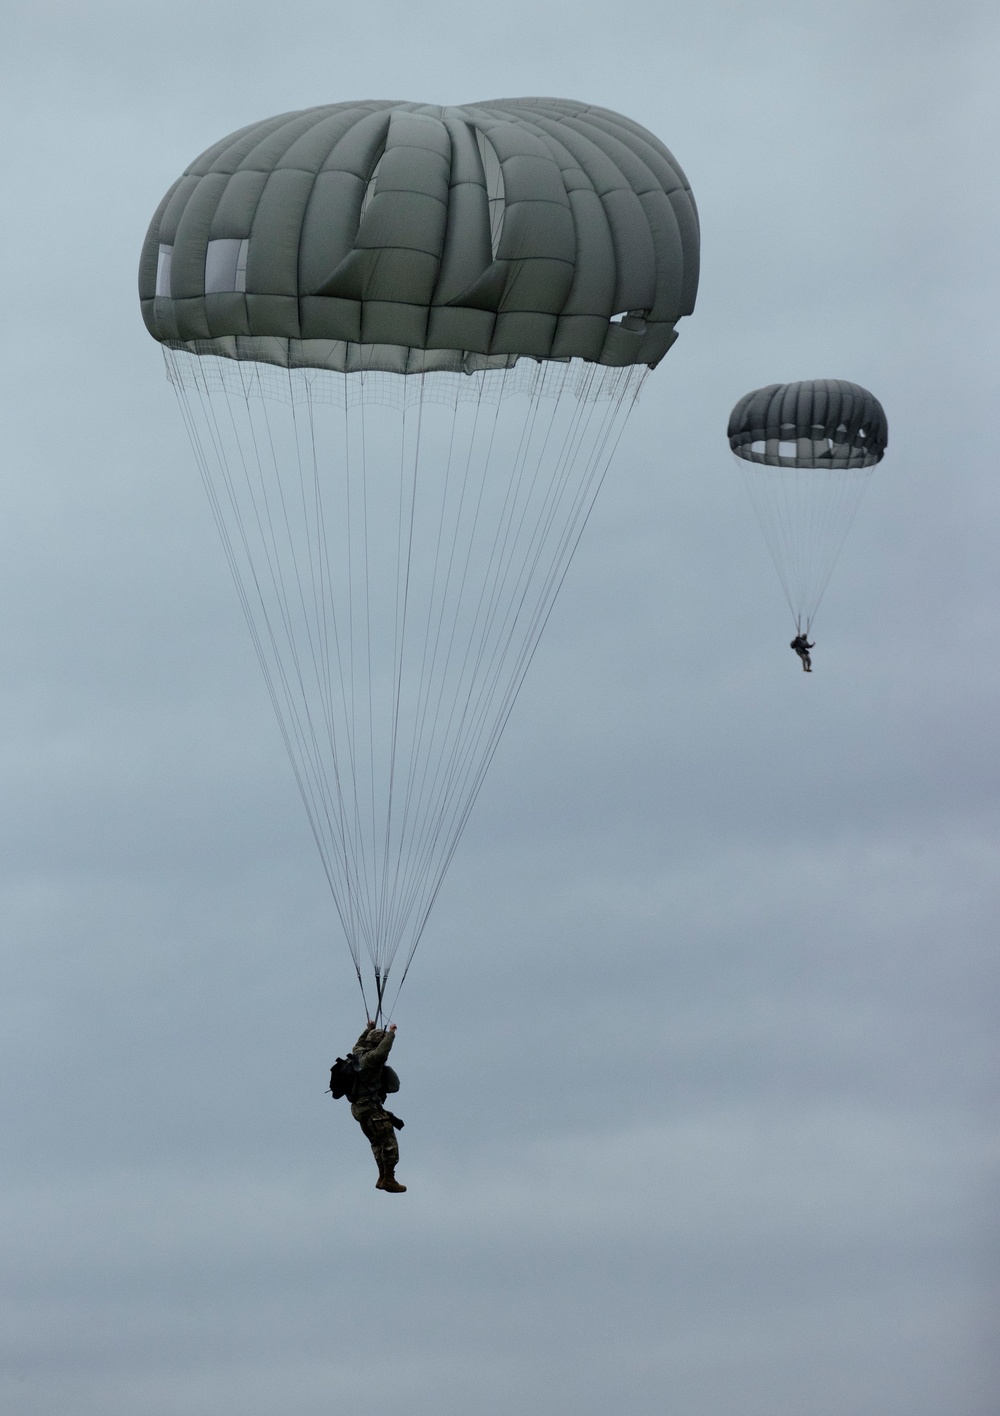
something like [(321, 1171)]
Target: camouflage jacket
[(370, 1053)]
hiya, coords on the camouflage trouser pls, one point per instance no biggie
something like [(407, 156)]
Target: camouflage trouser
[(378, 1128)]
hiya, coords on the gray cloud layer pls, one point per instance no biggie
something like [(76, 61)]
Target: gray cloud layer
[(699, 1054)]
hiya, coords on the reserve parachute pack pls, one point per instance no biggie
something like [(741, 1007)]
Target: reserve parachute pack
[(343, 1075)]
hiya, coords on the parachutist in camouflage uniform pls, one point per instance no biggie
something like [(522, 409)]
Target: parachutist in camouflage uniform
[(371, 1086), (802, 646)]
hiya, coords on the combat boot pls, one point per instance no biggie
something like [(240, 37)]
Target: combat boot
[(389, 1182)]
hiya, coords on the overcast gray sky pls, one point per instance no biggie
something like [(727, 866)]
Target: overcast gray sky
[(699, 1051)]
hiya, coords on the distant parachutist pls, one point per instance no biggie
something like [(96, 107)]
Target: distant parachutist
[(806, 452), (802, 646)]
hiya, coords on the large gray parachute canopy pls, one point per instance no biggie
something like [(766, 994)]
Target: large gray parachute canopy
[(821, 423), (408, 237)]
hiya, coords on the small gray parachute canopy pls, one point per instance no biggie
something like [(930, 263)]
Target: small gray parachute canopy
[(407, 238), (806, 451), (818, 423)]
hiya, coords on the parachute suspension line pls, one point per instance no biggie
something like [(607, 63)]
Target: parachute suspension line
[(407, 486), (599, 464), (602, 446), (306, 652), (242, 569), (501, 643), (852, 486), (770, 514), (436, 518), (401, 911), (312, 780), (434, 621), (347, 837), (394, 620), (459, 732), (327, 627), (805, 514), (380, 984), (363, 880), (309, 754), (359, 558), (310, 789), (309, 617), (210, 421), (327, 633), (464, 721), (451, 603), (473, 720), (215, 502), (365, 612)]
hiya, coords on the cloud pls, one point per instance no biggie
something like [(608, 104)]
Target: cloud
[(697, 1055)]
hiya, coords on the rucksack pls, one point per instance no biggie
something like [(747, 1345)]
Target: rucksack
[(342, 1077)]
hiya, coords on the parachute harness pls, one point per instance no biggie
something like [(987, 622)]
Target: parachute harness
[(397, 543)]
